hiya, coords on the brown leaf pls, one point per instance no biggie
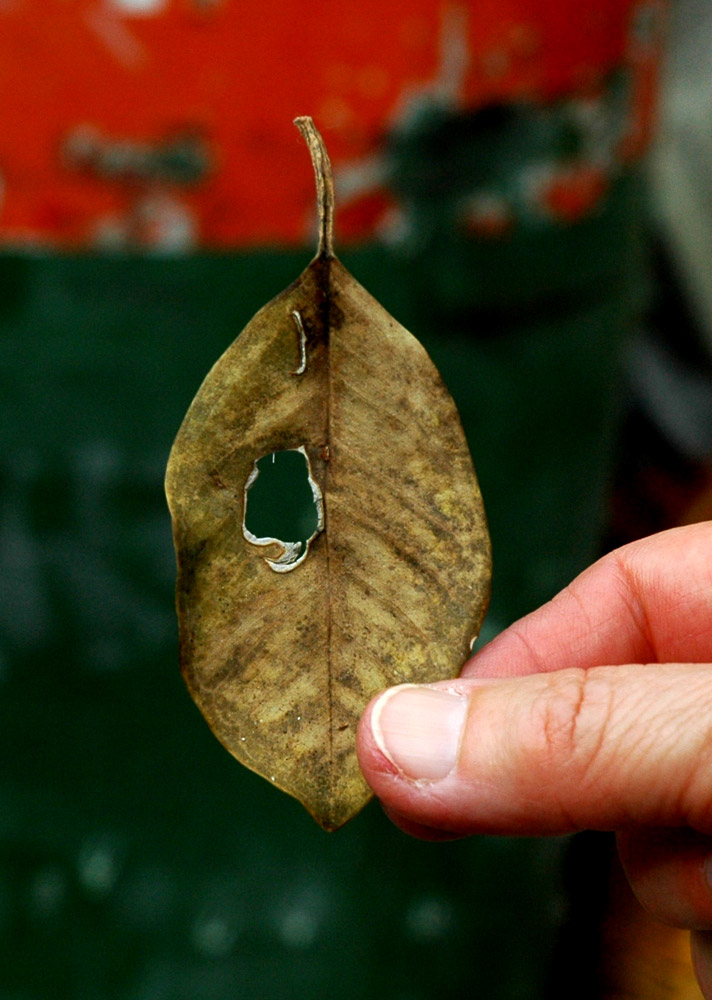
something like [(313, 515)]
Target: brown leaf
[(282, 648)]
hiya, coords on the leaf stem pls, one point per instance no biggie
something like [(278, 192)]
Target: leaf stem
[(324, 184)]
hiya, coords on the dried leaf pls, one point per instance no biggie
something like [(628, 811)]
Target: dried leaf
[(282, 647)]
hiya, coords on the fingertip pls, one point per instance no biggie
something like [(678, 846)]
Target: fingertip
[(419, 830), (380, 772), (372, 759), (399, 745)]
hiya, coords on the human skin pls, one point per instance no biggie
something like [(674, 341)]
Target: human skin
[(594, 712)]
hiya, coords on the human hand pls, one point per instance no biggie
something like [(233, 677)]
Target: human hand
[(594, 712)]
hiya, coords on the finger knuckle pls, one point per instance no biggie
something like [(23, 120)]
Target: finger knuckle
[(569, 719)]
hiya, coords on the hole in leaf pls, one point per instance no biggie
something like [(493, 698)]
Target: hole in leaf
[(283, 503)]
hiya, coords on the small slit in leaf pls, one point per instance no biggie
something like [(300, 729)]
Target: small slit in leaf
[(283, 505)]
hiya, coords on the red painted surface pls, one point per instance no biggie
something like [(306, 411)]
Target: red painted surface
[(234, 73), (573, 193)]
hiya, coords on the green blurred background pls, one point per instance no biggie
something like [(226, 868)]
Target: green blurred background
[(137, 859)]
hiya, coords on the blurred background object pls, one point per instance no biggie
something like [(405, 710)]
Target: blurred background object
[(665, 466), (185, 106), (490, 183), (681, 165)]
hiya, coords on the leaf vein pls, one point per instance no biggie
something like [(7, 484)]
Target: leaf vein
[(403, 553), (390, 606)]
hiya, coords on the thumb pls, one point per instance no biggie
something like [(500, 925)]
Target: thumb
[(604, 748)]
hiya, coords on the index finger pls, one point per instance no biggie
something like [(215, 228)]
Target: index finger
[(649, 601)]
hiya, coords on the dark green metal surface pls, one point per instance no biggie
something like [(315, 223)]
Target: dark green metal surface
[(138, 861)]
